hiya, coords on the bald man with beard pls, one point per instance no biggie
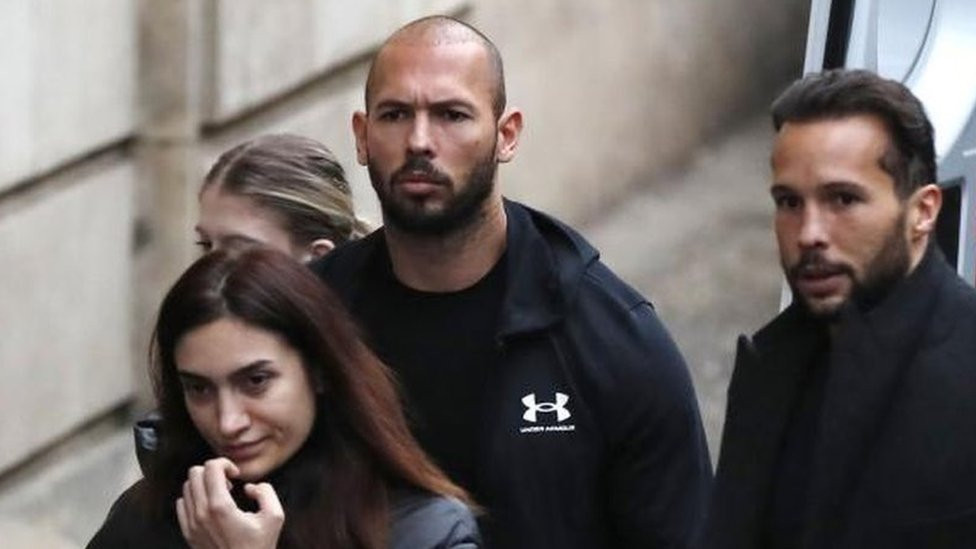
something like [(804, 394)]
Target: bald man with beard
[(535, 377)]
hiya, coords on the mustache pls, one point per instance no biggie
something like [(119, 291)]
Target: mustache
[(420, 166), (813, 263)]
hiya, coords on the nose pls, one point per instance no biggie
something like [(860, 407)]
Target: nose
[(419, 141), (813, 229), (232, 416)]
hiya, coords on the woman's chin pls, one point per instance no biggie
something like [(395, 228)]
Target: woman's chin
[(252, 471)]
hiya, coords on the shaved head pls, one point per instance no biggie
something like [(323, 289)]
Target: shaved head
[(441, 30)]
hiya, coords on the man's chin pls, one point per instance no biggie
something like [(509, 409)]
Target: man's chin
[(823, 307), (427, 221)]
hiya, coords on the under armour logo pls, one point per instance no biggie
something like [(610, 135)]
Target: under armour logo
[(533, 408)]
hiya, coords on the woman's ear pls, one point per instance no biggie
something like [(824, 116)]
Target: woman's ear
[(317, 249)]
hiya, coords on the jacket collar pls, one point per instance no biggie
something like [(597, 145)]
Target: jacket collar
[(546, 263)]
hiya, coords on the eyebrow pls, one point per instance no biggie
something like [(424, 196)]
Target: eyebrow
[(232, 238), (241, 372), (391, 104), (841, 185), (240, 239), (452, 103), (442, 104)]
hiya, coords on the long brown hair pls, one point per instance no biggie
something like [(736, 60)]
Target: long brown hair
[(335, 490), (297, 179)]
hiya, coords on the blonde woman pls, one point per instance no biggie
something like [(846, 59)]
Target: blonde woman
[(284, 191)]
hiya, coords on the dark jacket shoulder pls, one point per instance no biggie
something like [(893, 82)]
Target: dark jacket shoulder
[(418, 521), (424, 521), (342, 267), (131, 524)]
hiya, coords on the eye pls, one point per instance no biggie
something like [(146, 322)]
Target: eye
[(204, 245), (256, 383), (454, 115), (196, 389), (392, 115), (845, 199), (786, 202)]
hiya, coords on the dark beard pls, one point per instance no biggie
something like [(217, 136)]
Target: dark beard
[(888, 267), (459, 211)]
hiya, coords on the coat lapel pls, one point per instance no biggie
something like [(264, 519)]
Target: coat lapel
[(869, 352), (760, 399)]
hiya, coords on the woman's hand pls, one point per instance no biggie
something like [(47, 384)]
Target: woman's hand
[(209, 518)]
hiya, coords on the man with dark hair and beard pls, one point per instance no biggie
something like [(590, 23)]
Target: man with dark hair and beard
[(852, 416), (535, 377)]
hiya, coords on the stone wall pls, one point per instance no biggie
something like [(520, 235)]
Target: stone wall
[(69, 82), (68, 91)]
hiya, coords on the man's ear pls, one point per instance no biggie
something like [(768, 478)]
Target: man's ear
[(509, 130), (359, 130), (318, 248), (923, 207)]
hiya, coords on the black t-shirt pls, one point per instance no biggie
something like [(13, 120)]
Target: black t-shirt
[(443, 349)]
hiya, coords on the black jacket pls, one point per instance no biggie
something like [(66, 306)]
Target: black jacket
[(418, 522), (620, 459), (895, 464)]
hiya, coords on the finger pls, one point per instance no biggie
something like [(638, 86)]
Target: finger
[(198, 494), (188, 507), (219, 501), (182, 518), (207, 528), (230, 468), (190, 534), (226, 468), (268, 503)]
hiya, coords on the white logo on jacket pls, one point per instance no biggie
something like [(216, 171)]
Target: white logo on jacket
[(533, 409)]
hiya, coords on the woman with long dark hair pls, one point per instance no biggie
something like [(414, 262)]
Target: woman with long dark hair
[(281, 428), (283, 191)]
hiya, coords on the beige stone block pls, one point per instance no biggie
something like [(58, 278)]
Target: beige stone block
[(70, 495), (171, 76), (65, 305), (323, 113), (18, 534), (68, 83), (166, 205), (262, 49)]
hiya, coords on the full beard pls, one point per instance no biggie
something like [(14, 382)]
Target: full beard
[(458, 211), (888, 267)]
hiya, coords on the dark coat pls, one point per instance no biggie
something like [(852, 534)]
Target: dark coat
[(895, 464), (628, 466), (418, 521)]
